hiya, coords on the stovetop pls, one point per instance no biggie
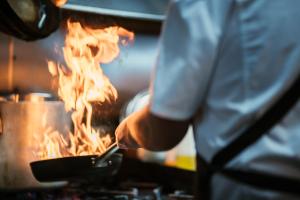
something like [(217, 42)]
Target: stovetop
[(78, 191), (135, 181)]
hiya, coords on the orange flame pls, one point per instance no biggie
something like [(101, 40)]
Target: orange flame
[(81, 83)]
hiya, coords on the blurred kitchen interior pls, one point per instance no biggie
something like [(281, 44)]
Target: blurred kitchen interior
[(23, 65)]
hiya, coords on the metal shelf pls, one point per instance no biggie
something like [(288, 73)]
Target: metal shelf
[(137, 9)]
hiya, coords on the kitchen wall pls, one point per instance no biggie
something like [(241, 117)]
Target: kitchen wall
[(130, 72)]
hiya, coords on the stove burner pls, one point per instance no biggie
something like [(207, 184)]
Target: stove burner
[(79, 191), (146, 182), (180, 195)]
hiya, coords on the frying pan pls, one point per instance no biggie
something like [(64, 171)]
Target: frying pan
[(75, 167)]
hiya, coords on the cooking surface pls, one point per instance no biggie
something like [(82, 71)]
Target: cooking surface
[(127, 190), (135, 181)]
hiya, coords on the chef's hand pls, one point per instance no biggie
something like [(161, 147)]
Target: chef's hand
[(146, 130), (124, 137), (59, 3)]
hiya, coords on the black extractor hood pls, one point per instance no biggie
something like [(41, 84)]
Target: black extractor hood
[(138, 9)]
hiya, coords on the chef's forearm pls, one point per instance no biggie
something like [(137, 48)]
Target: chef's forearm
[(139, 127), (155, 133)]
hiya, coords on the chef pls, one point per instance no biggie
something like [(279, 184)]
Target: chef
[(221, 65)]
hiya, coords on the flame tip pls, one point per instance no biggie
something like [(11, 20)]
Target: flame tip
[(82, 82)]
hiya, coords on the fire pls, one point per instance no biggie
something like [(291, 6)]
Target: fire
[(81, 83)]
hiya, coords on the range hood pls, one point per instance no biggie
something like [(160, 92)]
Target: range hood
[(138, 9)]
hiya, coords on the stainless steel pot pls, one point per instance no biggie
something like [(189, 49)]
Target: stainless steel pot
[(21, 125)]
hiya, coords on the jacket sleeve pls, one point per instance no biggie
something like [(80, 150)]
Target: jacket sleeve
[(185, 63)]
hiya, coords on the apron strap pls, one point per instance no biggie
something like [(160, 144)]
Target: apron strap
[(264, 180), (261, 126), (203, 182), (253, 133)]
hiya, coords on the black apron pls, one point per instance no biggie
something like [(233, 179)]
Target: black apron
[(253, 133)]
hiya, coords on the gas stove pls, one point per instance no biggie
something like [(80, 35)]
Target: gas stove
[(137, 191), (135, 181), (133, 191)]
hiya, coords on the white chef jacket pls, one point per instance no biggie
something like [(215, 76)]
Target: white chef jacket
[(232, 59)]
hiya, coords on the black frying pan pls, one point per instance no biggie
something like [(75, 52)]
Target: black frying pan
[(68, 168)]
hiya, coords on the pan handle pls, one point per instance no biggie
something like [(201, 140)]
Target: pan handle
[(100, 160)]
